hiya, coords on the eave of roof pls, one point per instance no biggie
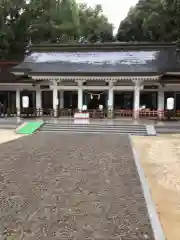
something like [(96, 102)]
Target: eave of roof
[(61, 74), (4, 62), (10, 78)]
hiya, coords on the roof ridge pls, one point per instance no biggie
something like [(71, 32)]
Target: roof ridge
[(132, 43), (102, 46)]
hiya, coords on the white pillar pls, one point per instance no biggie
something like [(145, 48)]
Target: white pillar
[(160, 103), (55, 101), (136, 99), (61, 99), (38, 103), (18, 102), (110, 97), (80, 96)]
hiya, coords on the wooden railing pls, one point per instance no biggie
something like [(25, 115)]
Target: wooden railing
[(117, 113)]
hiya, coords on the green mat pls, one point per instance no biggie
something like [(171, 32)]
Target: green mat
[(29, 127)]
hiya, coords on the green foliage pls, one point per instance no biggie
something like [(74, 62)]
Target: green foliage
[(43, 21), (94, 25), (151, 20)]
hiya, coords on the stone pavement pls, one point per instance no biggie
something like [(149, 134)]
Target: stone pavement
[(55, 186)]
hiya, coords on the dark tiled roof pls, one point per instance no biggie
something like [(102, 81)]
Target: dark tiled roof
[(7, 77), (5, 72), (106, 62)]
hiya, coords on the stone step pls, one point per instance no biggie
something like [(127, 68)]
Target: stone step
[(95, 132), (94, 126), (116, 129), (90, 130)]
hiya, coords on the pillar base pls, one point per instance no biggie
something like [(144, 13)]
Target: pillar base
[(110, 114), (160, 115), (39, 112), (55, 113), (18, 112), (136, 115)]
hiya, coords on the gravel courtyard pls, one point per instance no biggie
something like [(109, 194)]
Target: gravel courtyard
[(55, 186)]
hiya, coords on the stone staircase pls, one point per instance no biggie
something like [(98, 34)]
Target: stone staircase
[(95, 128)]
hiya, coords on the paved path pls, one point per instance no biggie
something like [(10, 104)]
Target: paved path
[(71, 187)]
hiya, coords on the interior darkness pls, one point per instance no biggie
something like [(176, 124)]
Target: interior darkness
[(124, 100), (177, 101), (149, 99), (7, 102), (47, 101), (70, 99)]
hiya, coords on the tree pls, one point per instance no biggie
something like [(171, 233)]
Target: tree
[(53, 21), (62, 21), (151, 20), (12, 27), (36, 21), (94, 26)]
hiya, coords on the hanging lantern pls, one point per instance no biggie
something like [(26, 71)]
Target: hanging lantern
[(91, 96)]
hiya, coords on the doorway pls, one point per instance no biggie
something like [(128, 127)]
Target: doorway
[(8, 102), (70, 99), (123, 100), (94, 99), (47, 102), (149, 100)]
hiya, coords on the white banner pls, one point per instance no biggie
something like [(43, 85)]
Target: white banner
[(170, 103), (84, 107), (81, 116), (25, 101)]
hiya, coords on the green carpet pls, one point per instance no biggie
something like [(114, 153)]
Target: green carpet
[(30, 127)]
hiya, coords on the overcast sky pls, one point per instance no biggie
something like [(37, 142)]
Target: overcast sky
[(115, 10)]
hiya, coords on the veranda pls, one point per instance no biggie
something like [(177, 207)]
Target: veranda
[(120, 97)]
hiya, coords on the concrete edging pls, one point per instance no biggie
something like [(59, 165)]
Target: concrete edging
[(153, 216), (20, 126), (151, 131)]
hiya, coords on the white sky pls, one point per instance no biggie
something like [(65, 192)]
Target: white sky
[(115, 10)]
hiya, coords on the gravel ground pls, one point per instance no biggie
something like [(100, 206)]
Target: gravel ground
[(55, 186)]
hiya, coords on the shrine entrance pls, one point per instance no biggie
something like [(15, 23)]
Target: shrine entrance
[(96, 103), (94, 99)]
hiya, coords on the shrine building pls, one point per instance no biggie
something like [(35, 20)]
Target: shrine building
[(126, 79)]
